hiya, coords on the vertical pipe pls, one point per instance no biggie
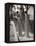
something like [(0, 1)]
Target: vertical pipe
[(25, 25)]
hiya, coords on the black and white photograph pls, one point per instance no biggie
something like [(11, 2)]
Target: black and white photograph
[(21, 22)]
